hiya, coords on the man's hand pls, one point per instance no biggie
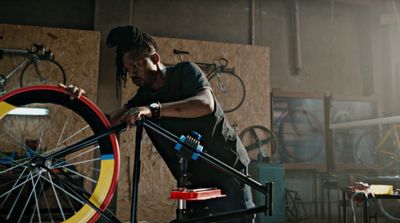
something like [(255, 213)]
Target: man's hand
[(134, 114), (72, 91)]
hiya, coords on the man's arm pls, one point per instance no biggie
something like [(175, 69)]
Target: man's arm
[(116, 115), (200, 104)]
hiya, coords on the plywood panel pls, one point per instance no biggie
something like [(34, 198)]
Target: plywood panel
[(76, 50), (251, 63)]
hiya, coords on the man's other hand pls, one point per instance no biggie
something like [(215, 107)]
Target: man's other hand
[(72, 91)]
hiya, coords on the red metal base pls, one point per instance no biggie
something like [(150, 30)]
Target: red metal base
[(196, 194)]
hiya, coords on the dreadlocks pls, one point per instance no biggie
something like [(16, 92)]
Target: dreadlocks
[(127, 38)]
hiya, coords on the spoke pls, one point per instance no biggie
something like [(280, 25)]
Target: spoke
[(46, 201), (5, 139), (63, 147), (36, 199), (16, 182), (41, 139), (19, 185), (69, 200), (29, 198), (55, 194), (71, 164), (79, 155), (73, 135), (15, 201), (63, 190), (81, 175), (6, 170), (62, 131)]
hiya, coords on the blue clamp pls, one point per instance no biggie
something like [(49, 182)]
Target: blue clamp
[(194, 141)]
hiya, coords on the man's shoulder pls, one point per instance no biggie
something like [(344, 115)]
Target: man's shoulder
[(184, 65)]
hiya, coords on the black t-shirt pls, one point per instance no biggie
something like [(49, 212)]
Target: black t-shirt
[(219, 139)]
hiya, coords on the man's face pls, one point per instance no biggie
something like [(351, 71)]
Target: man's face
[(139, 68)]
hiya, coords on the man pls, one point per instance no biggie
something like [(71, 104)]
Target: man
[(179, 98)]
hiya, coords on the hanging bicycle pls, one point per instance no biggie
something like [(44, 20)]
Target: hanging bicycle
[(39, 67), (228, 87)]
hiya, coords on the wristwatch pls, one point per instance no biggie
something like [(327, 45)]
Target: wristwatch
[(155, 109)]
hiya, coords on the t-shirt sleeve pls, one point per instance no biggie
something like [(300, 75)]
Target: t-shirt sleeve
[(138, 100), (193, 80)]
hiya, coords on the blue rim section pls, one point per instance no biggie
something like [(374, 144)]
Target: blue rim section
[(107, 157)]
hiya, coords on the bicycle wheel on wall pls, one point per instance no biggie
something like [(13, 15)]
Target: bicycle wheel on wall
[(372, 157), (28, 192), (300, 135), (229, 90), (390, 208), (42, 72), (259, 141)]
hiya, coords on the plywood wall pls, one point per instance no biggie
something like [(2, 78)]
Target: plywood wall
[(76, 50), (251, 63)]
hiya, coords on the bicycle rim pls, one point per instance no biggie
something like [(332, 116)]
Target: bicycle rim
[(390, 208), (368, 155), (229, 90), (42, 72), (28, 192), (258, 139), (300, 135)]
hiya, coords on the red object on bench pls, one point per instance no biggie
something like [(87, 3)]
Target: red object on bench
[(196, 194)]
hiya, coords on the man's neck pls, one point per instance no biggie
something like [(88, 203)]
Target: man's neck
[(160, 78)]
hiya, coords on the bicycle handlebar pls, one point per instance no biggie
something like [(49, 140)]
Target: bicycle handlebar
[(37, 50), (179, 52), (221, 62)]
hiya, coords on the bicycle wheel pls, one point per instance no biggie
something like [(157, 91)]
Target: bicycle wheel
[(229, 90), (300, 135), (28, 192), (343, 138), (42, 72), (390, 208), (369, 155), (258, 140)]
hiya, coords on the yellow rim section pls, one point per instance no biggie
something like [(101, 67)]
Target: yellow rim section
[(102, 187), (99, 194), (5, 108)]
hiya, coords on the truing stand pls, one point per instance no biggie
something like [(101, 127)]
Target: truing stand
[(191, 149), (182, 194)]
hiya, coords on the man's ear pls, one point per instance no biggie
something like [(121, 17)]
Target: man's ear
[(155, 58)]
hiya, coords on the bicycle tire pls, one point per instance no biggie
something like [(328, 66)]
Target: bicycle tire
[(93, 169), (263, 145), (50, 72), (229, 89), (299, 141), (390, 209), (342, 138), (365, 153)]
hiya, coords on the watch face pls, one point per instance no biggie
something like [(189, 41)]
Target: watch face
[(154, 105)]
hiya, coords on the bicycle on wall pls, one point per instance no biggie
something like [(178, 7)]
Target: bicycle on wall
[(39, 67), (228, 87), (63, 164), (300, 133), (379, 148)]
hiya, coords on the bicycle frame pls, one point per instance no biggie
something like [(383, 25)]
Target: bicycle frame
[(36, 54), (265, 189), (392, 131)]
